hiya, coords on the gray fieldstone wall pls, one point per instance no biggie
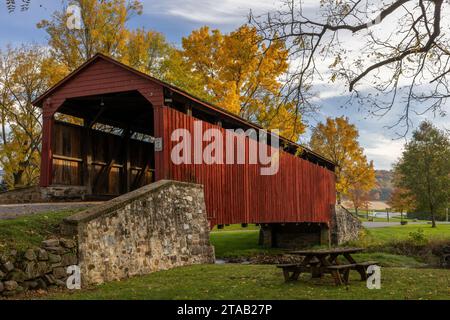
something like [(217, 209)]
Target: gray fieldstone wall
[(344, 226), (66, 193), (37, 268), (22, 195), (36, 194), (157, 227)]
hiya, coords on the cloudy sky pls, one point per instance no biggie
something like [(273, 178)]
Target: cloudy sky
[(177, 18)]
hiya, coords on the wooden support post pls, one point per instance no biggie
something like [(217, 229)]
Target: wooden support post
[(104, 172), (87, 157), (126, 163), (141, 175), (162, 158), (47, 144)]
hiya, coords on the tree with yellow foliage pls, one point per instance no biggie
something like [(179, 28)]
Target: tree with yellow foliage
[(104, 29), (239, 73), (236, 71), (24, 75), (337, 140)]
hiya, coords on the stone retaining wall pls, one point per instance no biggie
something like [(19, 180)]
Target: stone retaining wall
[(36, 194), (345, 226), (37, 268), (22, 195), (157, 227)]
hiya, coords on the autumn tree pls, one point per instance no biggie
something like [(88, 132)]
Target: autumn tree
[(337, 140), (386, 52), (240, 73), (359, 197), (401, 200), (24, 75), (237, 71), (425, 168), (104, 30)]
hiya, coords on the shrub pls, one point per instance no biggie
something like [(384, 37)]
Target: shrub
[(418, 237)]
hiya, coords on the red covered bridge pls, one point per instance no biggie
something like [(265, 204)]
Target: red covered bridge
[(118, 138)]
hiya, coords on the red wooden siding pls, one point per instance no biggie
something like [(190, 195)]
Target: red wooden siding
[(301, 191), (103, 77), (99, 77)]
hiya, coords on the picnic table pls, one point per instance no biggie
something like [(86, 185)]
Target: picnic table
[(321, 261)]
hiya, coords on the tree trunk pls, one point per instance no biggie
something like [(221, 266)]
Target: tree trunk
[(17, 176), (433, 218)]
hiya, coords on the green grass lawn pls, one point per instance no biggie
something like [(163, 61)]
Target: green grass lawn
[(402, 277), (244, 243), (250, 281), (27, 231), (383, 235), (238, 243), (266, 282), (235, 227)]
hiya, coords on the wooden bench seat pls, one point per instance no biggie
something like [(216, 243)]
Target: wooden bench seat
[(361, 267), (340, 272), (288, 268), (288, 265)]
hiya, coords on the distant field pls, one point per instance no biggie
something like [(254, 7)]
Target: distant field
[(373, 205)]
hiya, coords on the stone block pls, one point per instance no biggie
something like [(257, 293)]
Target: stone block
[(67, 243), (10, 285), (8, 266), (60, 283), (30, 255), (17, 275), (42, 255), (43, 267), (50, 243), (69, 259), (59, 273), (54, 258), (49, 279)]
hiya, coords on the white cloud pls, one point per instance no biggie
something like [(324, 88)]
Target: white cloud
[(210, 11), (383, 151)]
